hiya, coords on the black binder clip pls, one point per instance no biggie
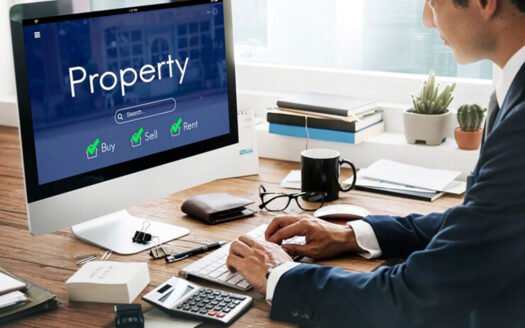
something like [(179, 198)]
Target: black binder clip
[(142, 237), (158, 252)]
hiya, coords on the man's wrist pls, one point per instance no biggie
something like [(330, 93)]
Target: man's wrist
[(350, 240), (275, 276), (270, 269)]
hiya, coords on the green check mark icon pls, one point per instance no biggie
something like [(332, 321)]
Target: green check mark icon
[(136, 136), (91, 148), (175, 127)]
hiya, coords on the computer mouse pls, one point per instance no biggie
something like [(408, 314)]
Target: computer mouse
[(341, 212)]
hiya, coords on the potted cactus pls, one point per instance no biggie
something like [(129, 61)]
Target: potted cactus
[(429, 120), (468, 134)]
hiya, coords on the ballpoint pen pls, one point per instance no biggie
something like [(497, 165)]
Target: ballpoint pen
[(180, 256)]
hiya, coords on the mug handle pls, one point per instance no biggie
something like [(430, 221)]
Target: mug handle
[(344, 161)]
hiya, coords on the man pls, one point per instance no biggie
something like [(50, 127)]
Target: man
[(464, 267)]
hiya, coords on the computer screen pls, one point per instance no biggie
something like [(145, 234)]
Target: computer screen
[(115, 92)]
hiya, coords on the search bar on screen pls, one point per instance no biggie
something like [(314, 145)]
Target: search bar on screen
[(143, 111)]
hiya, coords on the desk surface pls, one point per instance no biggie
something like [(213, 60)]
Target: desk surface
[(48, 260)]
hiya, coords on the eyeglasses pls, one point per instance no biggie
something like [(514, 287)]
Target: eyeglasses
[(278, 201)]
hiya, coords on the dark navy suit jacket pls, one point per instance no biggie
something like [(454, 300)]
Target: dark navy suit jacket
[(464, 267)]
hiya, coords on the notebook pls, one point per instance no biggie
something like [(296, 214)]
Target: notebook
[(42, 300)]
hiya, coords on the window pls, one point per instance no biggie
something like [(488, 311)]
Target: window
[(6, 56), (371, 35)]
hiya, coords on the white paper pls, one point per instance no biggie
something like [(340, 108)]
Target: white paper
[(12, 298), (248, 157), (292, 180), (411, 175), (155, 318), (365, 182), (456, 187), (8, 284)]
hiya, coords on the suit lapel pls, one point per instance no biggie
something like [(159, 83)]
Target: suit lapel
[(514, 96)]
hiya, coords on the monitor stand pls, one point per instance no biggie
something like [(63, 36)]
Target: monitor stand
[(115, 231)]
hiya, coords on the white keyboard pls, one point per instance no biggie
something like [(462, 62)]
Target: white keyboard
[(212, 267)]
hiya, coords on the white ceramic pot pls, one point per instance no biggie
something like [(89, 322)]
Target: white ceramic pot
[(430, 129)]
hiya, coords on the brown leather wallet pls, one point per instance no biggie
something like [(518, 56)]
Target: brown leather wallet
[(217, 208)]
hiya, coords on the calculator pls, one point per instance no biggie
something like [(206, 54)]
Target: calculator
[(181, 298)]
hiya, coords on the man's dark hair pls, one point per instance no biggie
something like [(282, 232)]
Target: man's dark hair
[(518, 3)]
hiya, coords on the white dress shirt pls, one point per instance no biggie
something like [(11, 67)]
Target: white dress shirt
[(364, 234), (510, 70)]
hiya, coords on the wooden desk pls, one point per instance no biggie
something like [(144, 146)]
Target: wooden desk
[(48, 260)]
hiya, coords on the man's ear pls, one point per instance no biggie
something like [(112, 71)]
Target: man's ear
[(487, 8)]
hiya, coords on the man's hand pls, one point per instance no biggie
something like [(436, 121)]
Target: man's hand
[(323, 239), (252, 260)]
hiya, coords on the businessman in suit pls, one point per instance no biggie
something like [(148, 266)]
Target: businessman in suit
[(464, 267)]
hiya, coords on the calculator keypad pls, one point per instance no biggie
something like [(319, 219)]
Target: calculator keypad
[(211, 303)]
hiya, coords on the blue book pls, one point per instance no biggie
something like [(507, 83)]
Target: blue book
[(329, 135)]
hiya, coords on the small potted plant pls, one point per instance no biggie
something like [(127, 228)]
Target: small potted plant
[(429, 120), (469, 132)]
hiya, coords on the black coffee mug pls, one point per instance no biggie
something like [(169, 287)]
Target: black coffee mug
[(320, 170)]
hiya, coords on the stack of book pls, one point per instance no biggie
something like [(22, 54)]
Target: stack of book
[(326, 117)]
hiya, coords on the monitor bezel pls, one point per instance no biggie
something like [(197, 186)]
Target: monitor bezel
[(47, 12)]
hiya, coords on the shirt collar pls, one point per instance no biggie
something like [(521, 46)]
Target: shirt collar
[(508, 74)]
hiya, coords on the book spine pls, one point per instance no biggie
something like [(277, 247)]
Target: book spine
[(313, 122), (327, 135), (312, 108)]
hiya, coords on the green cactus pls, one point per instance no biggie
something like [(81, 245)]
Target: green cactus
[(470, 117), (428, 101)]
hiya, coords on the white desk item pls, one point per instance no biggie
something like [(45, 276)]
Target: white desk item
[(341, 212), (212, 267), (12, 298), (9, 284), (248, 157), (292, 180), (108, 282), (455, 187), (155, 318), (411, 175)]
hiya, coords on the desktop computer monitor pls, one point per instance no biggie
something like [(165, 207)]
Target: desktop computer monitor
[(120, 106)]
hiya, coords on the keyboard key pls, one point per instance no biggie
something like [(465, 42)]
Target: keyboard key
[(227, 276), (203, 311), (220, 315), (206, 271), (216, 273), (243, 284), (235, 279), (212, 313)]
